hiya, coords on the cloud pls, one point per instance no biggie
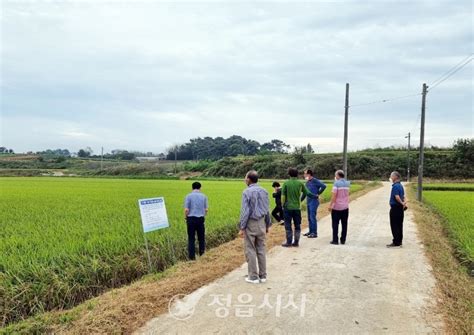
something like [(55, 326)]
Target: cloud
[(142, 75)]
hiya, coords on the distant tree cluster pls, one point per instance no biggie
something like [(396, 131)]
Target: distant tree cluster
[(219, 147), (4, 150), (121, 154), (55, 152), (87, 152), (131, 155), (464, 150)]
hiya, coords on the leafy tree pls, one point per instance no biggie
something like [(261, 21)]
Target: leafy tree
[(298, 155), (276, 146), (83, 153), (464, 150)]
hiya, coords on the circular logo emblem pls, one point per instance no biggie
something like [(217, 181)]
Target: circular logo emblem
[(180, 308)]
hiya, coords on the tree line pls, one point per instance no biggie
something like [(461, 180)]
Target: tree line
[(455, 162), (209, 148)]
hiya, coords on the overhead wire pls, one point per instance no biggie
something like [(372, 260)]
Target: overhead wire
[(451, 72), (441, 79), (467, 58), (386, 100)]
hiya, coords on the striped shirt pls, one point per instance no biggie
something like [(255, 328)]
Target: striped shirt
[(341, 189), (255, 205)]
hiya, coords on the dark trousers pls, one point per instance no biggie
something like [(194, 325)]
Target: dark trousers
[(396, 223), (339, 216), (196, 225), (295, 215), (277, 213)]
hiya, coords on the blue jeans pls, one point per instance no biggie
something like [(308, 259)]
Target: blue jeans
[(312, 208)]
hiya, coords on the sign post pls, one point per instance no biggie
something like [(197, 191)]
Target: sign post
[(154, 217)]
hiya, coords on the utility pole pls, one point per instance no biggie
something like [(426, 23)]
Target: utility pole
[(408, 157), (101, 157), (346, 117), (419, 194)]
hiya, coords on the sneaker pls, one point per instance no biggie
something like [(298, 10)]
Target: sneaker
[(252, 281), (307, 234), (263, 280), (334, 242), (312, 236), (394, 245), (286, 245)]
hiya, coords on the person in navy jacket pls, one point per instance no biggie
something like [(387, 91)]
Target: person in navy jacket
[(398, 205), (316, 187)]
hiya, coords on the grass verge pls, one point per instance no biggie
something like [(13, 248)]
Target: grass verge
[(123, 310), (455, 287)]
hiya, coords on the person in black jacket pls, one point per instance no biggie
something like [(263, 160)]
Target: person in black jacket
[(277, 212)]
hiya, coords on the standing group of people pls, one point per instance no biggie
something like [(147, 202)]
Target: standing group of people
[(255, 219), (295, 191)]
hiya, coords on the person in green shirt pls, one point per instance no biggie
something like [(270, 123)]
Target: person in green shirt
[(290, 197)]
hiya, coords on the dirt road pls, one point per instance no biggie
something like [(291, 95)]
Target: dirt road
[(318, 288)]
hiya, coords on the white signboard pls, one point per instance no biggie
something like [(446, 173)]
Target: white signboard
[(153, 213)]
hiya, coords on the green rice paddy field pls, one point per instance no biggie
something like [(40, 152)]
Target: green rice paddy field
[(449, 187), (457, 208), (64, 240)]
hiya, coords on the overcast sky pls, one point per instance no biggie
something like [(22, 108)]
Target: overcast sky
[(142, 75)]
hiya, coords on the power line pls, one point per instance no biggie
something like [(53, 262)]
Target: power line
[(451, 72), (387, 100), (438, 81), (454, 67)]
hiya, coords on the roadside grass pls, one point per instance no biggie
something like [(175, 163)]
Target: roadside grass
[(123, 310), (455, 287)]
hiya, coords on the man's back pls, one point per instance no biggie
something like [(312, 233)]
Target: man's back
[(292, 189), (341, 188), (257, 200), (197, 204), (255, 205)]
